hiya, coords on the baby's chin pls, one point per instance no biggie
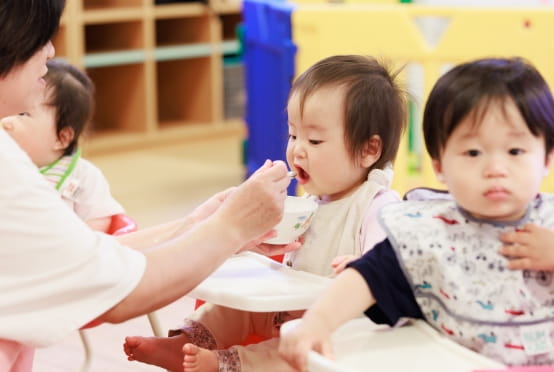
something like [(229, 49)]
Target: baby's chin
[(506, 216)]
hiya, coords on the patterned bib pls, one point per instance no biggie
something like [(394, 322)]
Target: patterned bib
[(461, 282)]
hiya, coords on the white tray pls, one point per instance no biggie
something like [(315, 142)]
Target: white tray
[(361, 345), (252, 282)]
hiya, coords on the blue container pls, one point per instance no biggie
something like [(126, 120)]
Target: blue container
[(269, 63)]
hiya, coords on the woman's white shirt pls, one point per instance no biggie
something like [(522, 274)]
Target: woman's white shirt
[(56, 274)]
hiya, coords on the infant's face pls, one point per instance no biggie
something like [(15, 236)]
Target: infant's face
[(494, 167), (35, 132), (316, 149)]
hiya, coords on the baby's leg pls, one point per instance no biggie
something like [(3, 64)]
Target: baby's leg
[(226, 326), (197, 359), (237, 358), (262, 356), (163, 352)]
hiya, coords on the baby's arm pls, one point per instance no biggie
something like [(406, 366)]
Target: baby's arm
[(314, 331), (531, 247)]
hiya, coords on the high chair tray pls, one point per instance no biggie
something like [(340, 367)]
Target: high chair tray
[(361, 345), (252, 282)]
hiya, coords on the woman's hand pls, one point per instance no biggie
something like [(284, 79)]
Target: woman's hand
[(260, 247), (256, 205), (530, 248), (211, 205)]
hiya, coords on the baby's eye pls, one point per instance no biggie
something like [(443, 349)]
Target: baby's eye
[(24, 114), (472, 153), (516, 151), (292, 137), (315, 142)]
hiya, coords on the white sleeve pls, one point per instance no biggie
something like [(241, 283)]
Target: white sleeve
[(92, 198), (55, 273)]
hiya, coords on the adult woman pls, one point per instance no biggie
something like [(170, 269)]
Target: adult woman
[(55, 273)]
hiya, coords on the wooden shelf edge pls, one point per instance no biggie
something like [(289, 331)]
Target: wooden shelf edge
[(113, 142), (112, 15), (226, 7), (180, 10)]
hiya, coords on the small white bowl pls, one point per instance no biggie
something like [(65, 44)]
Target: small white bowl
[(297, 217)]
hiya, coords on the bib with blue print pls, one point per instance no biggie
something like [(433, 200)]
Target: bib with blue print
[(462, 284)]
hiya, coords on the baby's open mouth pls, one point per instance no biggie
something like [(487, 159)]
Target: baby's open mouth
[(301, 175)]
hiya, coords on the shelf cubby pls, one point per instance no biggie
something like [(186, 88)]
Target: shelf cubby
[(120, 98), (184, 91), (229, 24), (182, 31), (158, 68), (116, 36)]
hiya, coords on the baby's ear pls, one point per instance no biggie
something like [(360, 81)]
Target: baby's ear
[(548, 162), (437, 167), (372, 151), (65, 137)]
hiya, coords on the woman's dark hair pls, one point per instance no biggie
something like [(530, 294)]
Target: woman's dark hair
[(467, 89), (374, 103), (71, 92), (25, 27)]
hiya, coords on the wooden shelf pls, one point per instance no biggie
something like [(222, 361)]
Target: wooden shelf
[(110, 4), (112, 15), (179, 10), (108, 141), (157, 68)]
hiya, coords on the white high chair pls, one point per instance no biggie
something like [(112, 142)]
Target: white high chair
[(361, 345), (253, 282)]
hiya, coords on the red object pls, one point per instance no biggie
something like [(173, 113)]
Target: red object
[(446, 220), (515, 312), (121, 224), (252, 338)]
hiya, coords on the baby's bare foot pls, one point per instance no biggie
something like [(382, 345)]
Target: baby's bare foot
[(197, 359), (163, 352)]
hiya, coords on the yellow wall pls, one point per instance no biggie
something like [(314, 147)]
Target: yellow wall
[(390, 31)]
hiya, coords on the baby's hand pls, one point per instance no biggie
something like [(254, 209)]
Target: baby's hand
[(530, 248), (339, 263)]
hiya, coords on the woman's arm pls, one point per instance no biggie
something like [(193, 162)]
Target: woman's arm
[(153, 236), (183, 253)]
